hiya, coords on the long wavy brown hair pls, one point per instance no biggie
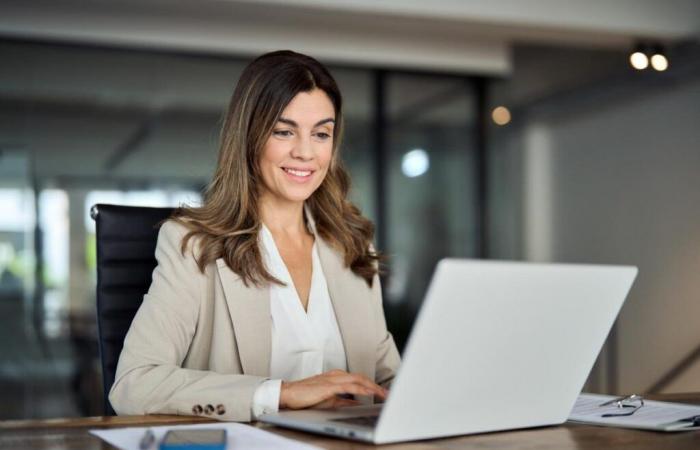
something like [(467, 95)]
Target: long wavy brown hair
[(228, 222)]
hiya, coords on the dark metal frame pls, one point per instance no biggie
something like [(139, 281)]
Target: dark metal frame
[(380, 158), (482, 168)]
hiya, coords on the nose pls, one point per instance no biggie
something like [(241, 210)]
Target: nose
[(303, 149)]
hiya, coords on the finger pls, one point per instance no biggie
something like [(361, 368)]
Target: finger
[(377, 389), (330, 401), (362, 381), (350, 388), (340, 376), (335, 402)]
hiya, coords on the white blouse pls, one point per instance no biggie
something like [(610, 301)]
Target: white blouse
[(304, 343)]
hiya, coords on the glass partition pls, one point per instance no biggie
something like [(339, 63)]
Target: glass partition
[(431, 142)]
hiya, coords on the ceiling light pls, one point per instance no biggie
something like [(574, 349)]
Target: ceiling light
[(500, 115), (659, 60), (639, 60)]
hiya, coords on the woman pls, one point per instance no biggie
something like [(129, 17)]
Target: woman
[(266, 296)]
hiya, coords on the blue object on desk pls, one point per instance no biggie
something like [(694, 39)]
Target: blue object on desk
[(194, 439)]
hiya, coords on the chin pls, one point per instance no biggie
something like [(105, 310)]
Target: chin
[(297, 197)]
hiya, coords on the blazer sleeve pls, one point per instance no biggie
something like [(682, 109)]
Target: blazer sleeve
[(149, 377), (388, 359)]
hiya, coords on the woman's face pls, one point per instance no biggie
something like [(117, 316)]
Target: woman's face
[(297, 154)]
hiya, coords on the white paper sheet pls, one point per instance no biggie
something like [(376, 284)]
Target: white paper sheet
[(239, 436), (662, 416)]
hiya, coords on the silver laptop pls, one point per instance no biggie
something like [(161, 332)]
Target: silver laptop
[(496, 346)]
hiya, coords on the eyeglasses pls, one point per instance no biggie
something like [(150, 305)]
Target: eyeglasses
[(628, 405)]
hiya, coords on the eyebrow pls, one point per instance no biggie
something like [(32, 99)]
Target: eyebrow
[(296, 125)]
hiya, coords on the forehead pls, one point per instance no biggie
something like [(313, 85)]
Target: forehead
[(309, 106)]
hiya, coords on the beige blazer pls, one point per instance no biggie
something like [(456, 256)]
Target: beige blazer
[(200, 343)]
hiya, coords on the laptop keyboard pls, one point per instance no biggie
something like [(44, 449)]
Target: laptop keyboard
[(366, 421)]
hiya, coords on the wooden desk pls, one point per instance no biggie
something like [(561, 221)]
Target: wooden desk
[(68, 434)]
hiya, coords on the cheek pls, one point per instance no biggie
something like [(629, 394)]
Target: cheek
[(274, 152), (269, 160), (324, 156)]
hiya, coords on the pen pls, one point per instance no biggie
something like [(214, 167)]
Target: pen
[(147, 440)]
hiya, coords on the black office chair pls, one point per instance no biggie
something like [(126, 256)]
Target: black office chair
[(126, 243)]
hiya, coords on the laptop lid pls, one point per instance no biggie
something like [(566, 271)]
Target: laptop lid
[(501, 345)]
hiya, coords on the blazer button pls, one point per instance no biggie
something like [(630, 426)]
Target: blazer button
[(197, 410), (208, 409), (220, 410)]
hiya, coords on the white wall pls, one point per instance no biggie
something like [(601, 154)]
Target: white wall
[(625, 189)]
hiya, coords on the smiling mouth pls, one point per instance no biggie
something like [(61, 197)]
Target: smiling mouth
[(297, 172)]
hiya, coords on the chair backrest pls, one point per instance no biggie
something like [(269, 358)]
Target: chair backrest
[(126, 243)]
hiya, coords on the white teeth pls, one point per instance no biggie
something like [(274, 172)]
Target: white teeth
[(299, 173)]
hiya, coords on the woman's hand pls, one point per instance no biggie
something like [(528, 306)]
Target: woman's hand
[(323, 391)]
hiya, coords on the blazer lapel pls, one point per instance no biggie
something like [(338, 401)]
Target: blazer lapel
[(249, 307), (353, 315)]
